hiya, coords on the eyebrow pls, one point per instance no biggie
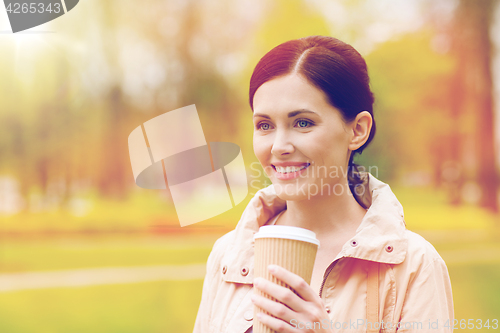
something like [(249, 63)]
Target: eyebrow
[(290, 114)]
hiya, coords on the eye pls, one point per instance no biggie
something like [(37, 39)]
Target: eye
[(303, 123), (263, 126)]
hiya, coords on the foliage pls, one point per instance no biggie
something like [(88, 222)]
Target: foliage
[(410, 81), (167, 306)]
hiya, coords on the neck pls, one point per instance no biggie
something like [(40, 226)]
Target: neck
[(325, 214)]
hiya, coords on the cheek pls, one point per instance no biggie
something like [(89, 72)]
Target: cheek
[(326, 149), (260, 148)]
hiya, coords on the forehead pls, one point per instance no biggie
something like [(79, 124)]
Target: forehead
[(289, 93)]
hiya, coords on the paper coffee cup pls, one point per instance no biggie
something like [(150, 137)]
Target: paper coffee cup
[(292, 248)]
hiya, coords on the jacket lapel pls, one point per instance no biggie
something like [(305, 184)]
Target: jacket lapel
[(380, 236), (239, 256)]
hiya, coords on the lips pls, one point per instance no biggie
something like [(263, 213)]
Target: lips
[(291, 174), (290, 168), (290, 163)]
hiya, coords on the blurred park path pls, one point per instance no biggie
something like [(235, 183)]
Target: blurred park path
[(99, 276)]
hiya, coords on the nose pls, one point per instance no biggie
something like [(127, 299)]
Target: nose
[(282, 144)]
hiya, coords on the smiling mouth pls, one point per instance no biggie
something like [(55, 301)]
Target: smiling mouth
[(288, 169)]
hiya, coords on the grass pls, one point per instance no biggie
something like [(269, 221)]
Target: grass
[(476, 292), (427, 209), (156, 307), (90, 212), (19, 255), (144, 210)]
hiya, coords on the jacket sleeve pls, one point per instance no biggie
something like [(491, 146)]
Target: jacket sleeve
[(210, 285), (428, 304)]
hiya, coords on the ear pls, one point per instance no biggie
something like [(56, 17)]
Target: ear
[(360, 129)]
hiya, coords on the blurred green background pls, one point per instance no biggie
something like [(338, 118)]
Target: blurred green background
[(83, 249)]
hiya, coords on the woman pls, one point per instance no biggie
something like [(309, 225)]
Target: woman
[(313, 110)]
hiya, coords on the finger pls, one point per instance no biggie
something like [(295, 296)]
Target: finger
[(280, 293), (276, 309), (275, 324), (297, 283)]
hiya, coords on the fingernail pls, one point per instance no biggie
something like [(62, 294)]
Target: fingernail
[(271, 268), (256, 282)]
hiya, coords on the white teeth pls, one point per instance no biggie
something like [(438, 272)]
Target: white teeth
[(289, 169)]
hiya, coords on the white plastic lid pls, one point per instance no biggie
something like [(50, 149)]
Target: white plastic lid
[(287, 232)]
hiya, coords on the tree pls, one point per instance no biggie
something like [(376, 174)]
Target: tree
[(474, 90)]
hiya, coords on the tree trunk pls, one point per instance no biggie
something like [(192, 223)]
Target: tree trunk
[(474, 20)]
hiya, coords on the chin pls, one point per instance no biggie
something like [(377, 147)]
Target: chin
[(291, 192)]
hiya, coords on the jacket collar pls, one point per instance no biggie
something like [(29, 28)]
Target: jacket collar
[(380, 237)]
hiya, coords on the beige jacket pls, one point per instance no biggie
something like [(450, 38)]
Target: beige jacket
[(414, 286)]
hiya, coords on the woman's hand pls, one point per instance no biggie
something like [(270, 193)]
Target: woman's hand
[(306, 313)]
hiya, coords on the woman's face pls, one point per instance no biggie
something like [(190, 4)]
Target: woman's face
[(295, 127)]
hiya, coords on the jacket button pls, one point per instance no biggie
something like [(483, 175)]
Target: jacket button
[(328, 309), (389, 248), (354, 243), (224, 269), (244, 271), (248, 315)]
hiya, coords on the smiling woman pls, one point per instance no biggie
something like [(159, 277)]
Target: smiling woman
[(279, 134), (313, 110)]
